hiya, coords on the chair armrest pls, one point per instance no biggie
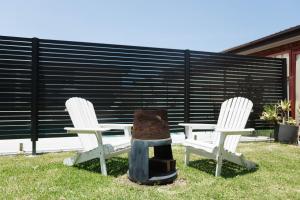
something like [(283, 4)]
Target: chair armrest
[(85, 130), (234, 131), (125, 127), (115, 126), (199, 126), (190, 126)]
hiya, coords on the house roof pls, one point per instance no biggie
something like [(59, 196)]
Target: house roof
[(280, 38)]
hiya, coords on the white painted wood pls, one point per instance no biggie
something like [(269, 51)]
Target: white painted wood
[(84, 130), (207, 146), (219, 155), (101, 152), (200, 126), (234, 131), (125, 127), (127, 131), (187, 156), (86, 125), (189, 128), (231, 124)]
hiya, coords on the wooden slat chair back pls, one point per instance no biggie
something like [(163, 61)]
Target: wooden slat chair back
[(83, 116), (234, 114)]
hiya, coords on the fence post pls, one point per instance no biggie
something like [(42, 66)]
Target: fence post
[(284, 79), (187, 86), (34, 93)]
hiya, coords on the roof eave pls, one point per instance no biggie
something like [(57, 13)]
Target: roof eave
[(276, 37)]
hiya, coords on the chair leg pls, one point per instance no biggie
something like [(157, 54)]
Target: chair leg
[(101, 153), (102, 163), (186, 156), (219, 166)]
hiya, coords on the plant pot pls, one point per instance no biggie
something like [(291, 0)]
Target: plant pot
[(276, 130), (287, 134)]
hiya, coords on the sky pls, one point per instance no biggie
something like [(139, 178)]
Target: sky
[(211, 25)]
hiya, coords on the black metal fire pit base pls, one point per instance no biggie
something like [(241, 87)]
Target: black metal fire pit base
[(160, 179), (161, 169)]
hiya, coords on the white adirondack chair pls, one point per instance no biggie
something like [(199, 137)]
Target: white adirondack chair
[(231, 124), (86, 125)]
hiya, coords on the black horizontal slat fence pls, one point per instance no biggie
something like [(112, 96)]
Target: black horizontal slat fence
[(37, 76), (117, 79), (15, 87), (216, 77)]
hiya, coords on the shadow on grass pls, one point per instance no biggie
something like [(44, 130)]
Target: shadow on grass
[(116, 166), (229, 170)]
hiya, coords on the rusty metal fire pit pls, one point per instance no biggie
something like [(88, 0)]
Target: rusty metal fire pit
[(151, 129), (150, 125)]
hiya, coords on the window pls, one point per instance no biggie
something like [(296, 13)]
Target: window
[(287, 57)]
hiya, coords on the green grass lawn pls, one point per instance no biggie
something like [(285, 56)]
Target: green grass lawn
[(45, 177)]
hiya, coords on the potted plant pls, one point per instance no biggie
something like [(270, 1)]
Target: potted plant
[(270, 114), (285, 130)]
